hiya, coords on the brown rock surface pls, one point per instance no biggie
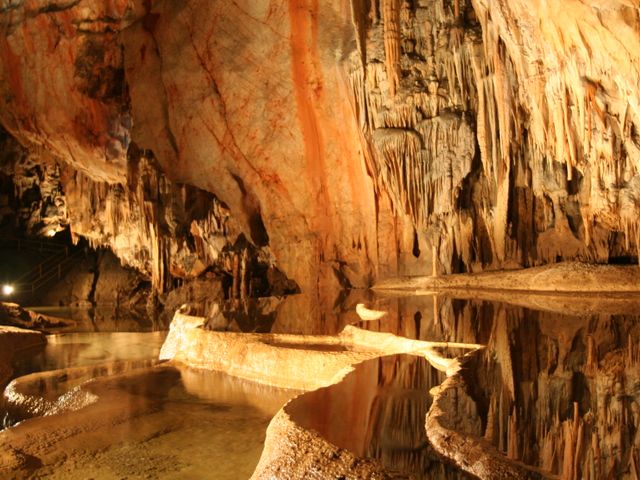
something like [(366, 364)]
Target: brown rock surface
[(12, 314), (80, 115)]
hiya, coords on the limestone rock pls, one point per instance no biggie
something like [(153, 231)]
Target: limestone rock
[(348, 141)]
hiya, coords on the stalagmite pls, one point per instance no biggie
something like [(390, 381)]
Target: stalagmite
[(434, 261)]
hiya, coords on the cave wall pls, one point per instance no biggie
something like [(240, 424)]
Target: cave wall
[(347, 141), (506, 130)]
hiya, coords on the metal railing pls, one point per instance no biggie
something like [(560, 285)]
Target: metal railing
[(53, 267), (33, 244)]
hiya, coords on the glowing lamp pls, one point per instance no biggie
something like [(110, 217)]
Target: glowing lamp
[(7, 289)]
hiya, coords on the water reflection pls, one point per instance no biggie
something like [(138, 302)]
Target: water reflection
[(101, 318), (558, 388), (557, 391), (69, 350), (378, 411), (72, 359)]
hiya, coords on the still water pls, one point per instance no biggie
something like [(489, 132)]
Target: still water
[(557, 388), (68, 350), (378, 411), (158, 422)]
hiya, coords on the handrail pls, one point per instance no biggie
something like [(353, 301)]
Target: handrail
[(41, 244), (40, 276), (36, 271), (57, 271)]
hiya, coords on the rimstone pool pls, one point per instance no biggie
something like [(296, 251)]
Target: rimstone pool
[(439, 387)]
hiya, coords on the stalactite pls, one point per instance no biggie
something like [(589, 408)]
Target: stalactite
[(595, 448), (434, 261), (138, 224), (373, 14), (560, 126), (391, 19)]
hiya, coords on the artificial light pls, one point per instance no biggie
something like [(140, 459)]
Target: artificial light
[(7, 289)]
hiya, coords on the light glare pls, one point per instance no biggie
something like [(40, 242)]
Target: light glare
[(7, 289)]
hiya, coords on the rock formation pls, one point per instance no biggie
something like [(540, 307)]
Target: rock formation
[(347, 141)]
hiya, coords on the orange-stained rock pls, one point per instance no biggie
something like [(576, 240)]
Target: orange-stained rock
[(62, 82), (253, 106)]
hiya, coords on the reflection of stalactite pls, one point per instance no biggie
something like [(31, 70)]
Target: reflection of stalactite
[(572, 433), (592, 355), (391, 18), (512, 449), (490, 431), (633, 357)]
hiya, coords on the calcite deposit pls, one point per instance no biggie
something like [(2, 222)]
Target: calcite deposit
[(379, 138), (237, 151)]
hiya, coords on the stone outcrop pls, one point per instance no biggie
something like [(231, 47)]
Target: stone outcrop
[(566, 277), (13, 315)]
